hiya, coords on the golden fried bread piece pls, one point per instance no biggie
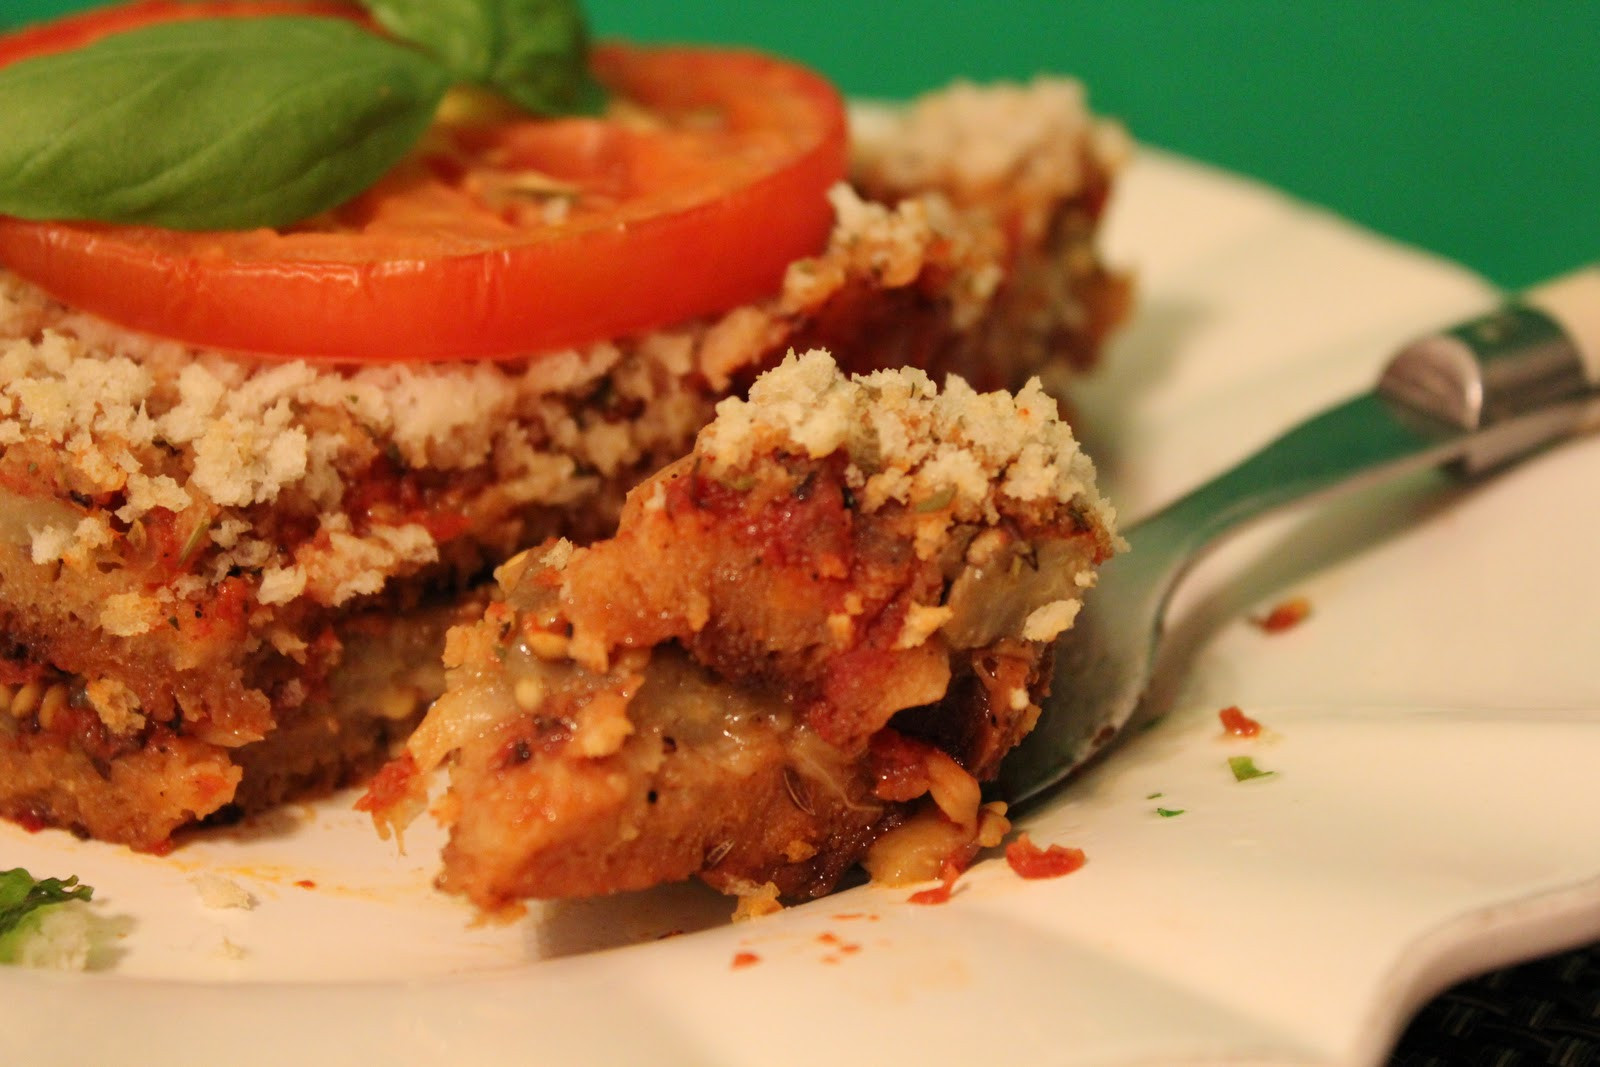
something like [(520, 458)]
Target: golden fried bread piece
[(841, 603)]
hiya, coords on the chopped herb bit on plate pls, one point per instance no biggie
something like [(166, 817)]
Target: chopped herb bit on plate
[(1244, 768)]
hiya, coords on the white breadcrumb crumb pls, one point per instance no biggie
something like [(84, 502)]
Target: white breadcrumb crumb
[(345, 565), (217, 891), (558, 554), (50, 543), (756, 901), (116, 705), (1051, 620), (146, 493), (228, 949), (129, 614), (922, 622), (279, 585)]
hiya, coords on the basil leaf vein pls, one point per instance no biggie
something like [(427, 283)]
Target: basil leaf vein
[(535, 52), (211, 124)]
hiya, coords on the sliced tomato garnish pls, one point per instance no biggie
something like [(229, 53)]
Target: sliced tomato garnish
[(501, 236)]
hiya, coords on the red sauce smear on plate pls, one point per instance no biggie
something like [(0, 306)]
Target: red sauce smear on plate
[(1284, 616), (940, 893), (1238, 723), (1031, 861)]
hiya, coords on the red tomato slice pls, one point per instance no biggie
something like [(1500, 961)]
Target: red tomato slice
[(497, 238)]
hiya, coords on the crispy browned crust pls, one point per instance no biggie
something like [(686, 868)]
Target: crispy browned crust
[(136, 778), (797, 813)]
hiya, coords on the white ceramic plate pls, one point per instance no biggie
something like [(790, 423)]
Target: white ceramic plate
[(1434, 730)]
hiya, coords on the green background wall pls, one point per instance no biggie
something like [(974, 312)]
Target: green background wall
[(1468, 127)]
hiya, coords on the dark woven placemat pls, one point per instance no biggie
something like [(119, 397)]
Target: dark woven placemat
[(1543, 1012)]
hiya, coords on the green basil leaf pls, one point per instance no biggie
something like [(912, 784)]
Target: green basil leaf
[(21, 894), (211, 124), (535, 52)]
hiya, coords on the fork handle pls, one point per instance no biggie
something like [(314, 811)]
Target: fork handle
[(1534, 362), (1479, 395), (1472, 398), (1573, 300)]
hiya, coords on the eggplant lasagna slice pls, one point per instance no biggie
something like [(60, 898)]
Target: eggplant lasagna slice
[(225, 581), (838, 608)]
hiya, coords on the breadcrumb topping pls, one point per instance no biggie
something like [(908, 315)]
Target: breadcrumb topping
[(153, 425), (986, 133), (908, 441), (1026, 143)]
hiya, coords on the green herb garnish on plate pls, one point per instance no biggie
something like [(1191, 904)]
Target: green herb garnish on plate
[(1244, 768), (26, 905)]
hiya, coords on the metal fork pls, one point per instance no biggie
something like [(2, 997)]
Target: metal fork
[(1471, 398)]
